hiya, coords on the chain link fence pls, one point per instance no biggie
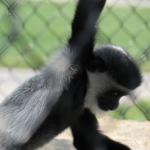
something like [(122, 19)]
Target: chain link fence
[(32, 30)]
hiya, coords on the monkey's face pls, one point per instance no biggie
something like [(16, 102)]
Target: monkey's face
[(112, 74), (109, 100), (103, 93)]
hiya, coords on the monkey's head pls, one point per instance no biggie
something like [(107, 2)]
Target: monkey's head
[(112, 74)]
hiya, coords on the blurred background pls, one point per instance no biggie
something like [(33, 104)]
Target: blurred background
[(31, 31)]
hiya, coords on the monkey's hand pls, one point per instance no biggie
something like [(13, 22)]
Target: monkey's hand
[(114, 145), (87, 137)]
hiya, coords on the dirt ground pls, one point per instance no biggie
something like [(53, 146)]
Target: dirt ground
[(135, 134)]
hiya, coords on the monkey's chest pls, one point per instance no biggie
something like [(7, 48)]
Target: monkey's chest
[(70, 104)]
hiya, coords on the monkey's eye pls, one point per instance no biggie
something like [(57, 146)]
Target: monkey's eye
[(116, 93)]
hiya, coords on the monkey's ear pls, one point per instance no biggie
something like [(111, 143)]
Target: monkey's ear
[(97, 64)]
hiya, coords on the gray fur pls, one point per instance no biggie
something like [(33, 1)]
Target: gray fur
[(26, 108)]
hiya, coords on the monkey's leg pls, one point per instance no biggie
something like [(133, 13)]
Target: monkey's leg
[(87, 137)]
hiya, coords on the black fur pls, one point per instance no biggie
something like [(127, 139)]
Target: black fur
[(84, 29), (125, 76), (87, 137), (121, 67)]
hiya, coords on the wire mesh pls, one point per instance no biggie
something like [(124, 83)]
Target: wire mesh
[(32, 30)]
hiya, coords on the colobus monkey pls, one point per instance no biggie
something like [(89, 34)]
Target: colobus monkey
[(105, 89), (53, 99)]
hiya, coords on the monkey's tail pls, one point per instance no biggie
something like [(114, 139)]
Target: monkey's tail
[(81, 42)]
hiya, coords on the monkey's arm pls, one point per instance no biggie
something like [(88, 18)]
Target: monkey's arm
[(84, 28), (86, 135)]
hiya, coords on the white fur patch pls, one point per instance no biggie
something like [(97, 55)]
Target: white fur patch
[(98, 83)]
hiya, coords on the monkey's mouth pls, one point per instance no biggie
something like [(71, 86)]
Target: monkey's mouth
[(107, 105)]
